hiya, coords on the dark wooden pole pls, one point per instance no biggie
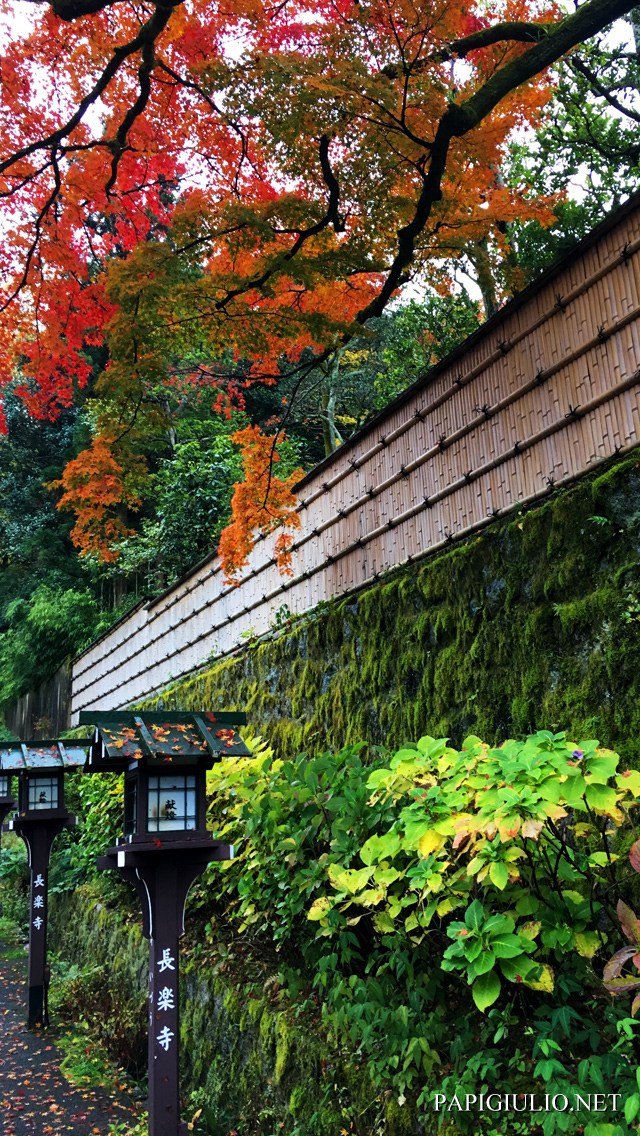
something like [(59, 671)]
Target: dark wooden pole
[(167, 884), (38, 835), (162, 878), (38, 926)]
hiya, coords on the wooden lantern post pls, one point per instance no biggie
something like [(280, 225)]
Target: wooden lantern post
[(165, 847), (41, 816)]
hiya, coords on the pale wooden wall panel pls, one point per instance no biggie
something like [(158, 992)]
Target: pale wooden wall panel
[(346, 539)]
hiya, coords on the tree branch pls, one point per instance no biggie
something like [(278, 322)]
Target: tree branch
[(580, 66), (146, 36), (147, 64), (517, 31), (460, 118), (331, 217)]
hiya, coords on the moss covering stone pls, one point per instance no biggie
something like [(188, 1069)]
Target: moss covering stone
[(252, 1061), (533, 624)]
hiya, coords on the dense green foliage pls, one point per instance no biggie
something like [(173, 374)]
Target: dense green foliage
[(395, 925), (34, 543), (586, 150), (425, 874), (48, 608), (191, 497), (41, 632)]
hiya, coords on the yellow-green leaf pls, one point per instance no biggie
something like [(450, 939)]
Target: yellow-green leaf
[(349, 879), (601, 859), (319, 908), (544, 981), (530, 930), (386, 876), (446, 905), (370, 897), (498, 874), (383, 922), (629, 781), (601, 798), (431, 842), (587, 943), (601, 766)]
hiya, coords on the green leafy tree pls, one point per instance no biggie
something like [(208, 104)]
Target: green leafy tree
[(587, 148), (188, 507), (40, 633), (48, 609), (34, 537)]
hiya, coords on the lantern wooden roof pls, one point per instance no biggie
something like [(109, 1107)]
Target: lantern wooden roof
[(45, 756), (124, 739)]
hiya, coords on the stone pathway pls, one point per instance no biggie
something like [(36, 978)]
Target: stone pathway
[(35, 1098)]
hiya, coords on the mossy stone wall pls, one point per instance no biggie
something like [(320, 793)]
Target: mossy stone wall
[(252, 1060), (533, 624)]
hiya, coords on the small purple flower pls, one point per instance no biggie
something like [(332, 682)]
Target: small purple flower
[(578, 754)]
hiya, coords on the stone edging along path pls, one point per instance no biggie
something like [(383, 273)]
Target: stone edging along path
[(35, 1098)]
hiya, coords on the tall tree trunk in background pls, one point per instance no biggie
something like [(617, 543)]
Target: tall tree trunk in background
[(634, 19), (478, 254), (331, 436)]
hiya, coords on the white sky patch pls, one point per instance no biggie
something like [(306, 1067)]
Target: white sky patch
[(17, 21)]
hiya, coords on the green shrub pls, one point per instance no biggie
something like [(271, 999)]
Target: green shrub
[(14, 887), (441, 916), (432, 887)]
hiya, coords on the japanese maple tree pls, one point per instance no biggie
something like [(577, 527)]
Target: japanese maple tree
[(187, 179)]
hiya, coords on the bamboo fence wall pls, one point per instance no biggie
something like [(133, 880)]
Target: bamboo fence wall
[(42, 713), (545, 390)]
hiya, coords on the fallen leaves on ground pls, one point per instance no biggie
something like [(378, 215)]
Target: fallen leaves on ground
[(35, 1098)]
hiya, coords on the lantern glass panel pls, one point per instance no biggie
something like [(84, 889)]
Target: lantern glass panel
[(172, 803), (5, 785), (43, 793)]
